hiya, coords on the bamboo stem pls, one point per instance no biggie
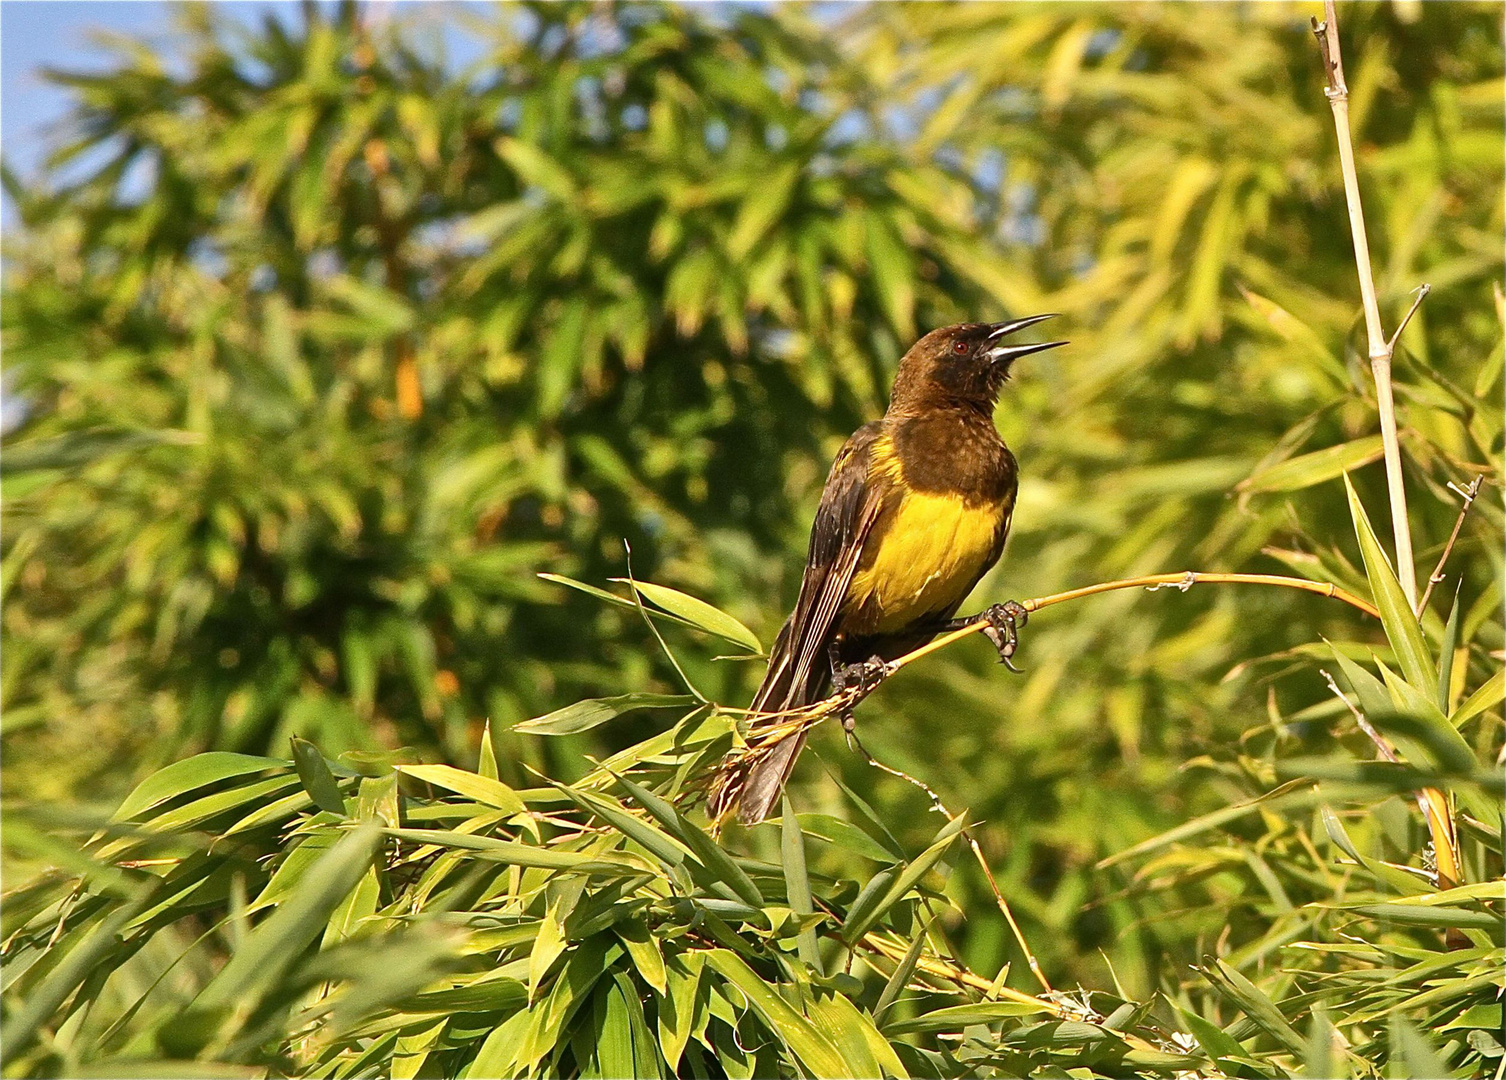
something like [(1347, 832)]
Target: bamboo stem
[(1380, 349), (1469, 495), (1182, 581), (894, 950), (972, 842)]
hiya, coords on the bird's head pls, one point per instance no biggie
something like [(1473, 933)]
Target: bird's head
[(965, 364)]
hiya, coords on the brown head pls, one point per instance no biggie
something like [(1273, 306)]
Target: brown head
[(963, 365)]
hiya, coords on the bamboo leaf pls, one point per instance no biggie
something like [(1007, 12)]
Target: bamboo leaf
[(657, 842), (516, 854), (797, 883), (273, 946), (899, 978), (184, 776), (724, 873), (643, 949), (1308, 470), (956, 1017), (697, 613), (1256, 1004), (813, 1049), (585, 715), (488, 792), (859, 920), (677, 1011), (1490, 694), (314, 773), (1439, 916), (1446, 652), (1414, 1052), (1402, 629)]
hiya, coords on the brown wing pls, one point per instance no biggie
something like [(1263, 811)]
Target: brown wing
[(799, 670)]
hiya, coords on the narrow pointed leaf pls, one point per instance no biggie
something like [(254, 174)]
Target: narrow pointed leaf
[(1402, 628)]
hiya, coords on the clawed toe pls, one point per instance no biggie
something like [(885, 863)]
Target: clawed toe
[(863, 677), (1003, 629)]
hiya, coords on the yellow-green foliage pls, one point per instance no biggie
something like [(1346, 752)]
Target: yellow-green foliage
[(330, 349)]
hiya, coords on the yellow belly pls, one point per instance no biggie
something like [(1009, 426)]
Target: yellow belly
[(926, 561)]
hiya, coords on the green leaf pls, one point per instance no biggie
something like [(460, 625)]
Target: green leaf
[(1446, 655), (1294, 792), (613, 1039), (76, 449), (1217, 1043), (498, 1052), (549, 942), (1318, 1063), (677, 1011), (1490, 694), (274, 946), (860, 919), (585, 715), (813, 1049), (489, 994), (486, 791), (1416, 720), (1400, 880), (797, 883), (186, 775), (1402, 628), (317, 780), (1413, 1054), (957, 1017), (843, 1026), (635, 828), (516, 854), (847, 837), (26, 1016), (612, 598), (486, 763), (536, 168), (1308, 470), (698, 613), (724, 873), (1260, 1008), (643, 949), (899, 978), (1430, 915)]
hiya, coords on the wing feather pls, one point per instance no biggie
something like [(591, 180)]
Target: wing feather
[(849, 506), (799, 671)]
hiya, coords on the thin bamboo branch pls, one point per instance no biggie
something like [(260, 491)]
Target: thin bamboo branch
[(1182, 581), (774, 727), (1469, 494), (1054, 1004), (1431, 801), (972, 842), (1380, 349)]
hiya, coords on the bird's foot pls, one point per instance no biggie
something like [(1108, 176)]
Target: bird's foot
[(1004, 623), (859, 680), (862, 678)]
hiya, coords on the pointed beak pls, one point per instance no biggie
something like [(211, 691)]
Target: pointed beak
[(1000, 353)]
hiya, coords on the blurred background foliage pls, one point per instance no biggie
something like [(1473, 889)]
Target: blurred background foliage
[(328, 346)]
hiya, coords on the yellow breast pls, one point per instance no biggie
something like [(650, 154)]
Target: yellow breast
[(925, 559)]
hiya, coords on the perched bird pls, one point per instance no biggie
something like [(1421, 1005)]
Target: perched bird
[(913, 514)]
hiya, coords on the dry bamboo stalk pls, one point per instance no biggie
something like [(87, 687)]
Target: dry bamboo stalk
[(1380, 348), (1434, 806)]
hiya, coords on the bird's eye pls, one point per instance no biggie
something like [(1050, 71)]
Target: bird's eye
[(959, 347)]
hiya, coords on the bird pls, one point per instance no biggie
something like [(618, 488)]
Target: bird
[(914, 512)]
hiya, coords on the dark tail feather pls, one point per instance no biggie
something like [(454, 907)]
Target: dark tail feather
[(766, 780), (767, 777)]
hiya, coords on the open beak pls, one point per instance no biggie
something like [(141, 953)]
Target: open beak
[(999, 353)]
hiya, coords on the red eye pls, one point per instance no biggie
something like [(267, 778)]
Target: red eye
[(959, 347)]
